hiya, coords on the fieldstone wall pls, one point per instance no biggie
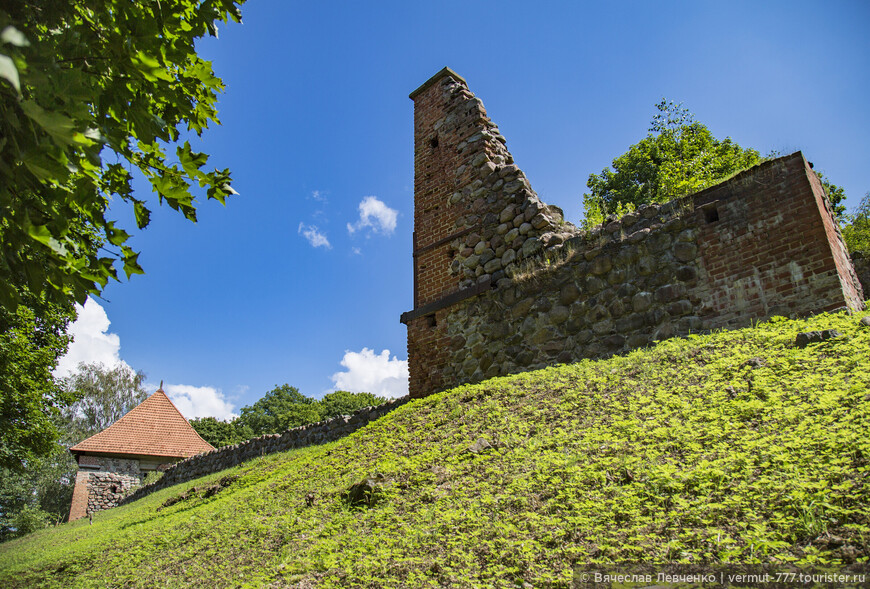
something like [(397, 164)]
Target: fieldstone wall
[(101, 483), (633, 282), (125, 466), (107, 489), (299, 437), (504, 284)]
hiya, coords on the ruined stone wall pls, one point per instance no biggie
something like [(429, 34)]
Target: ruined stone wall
[(634, 282), (775, 248), (462, 174), (531, 290), (849, 281)]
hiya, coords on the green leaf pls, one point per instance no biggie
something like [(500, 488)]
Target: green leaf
[(191, 161), (114, 235), (59, 126), (131, 262), (143, 214), (151, 69), (9, 72), (45, 168), (42, 234), (13, 36)]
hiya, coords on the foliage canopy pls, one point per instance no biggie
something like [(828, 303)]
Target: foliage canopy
[(32, 339), (344, 403), (730, 448), (220, 433), (679, 156), (280, 409), (103, 396), (856, 232), (40, 494), (93, 91)]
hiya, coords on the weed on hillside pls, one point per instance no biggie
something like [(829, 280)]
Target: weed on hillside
[(733, 447)]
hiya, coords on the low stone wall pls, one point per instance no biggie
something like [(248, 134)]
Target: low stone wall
[(299, 437)]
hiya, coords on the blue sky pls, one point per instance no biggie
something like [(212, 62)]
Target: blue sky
[(317, 122)]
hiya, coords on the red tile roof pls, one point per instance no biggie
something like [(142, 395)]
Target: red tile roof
[(155, 427)]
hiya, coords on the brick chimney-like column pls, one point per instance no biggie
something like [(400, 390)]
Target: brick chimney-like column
[(464, 181), (436, 160)]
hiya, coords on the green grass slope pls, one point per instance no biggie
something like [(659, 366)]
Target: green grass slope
[(735, 447)]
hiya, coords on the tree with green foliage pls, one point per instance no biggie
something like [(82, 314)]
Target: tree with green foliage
[(282, 408), (836, 196), (678, 157), (32, 339), (40, 494), (92, 92), (104, 395), (344, 403), (221, 433), (856, 231)]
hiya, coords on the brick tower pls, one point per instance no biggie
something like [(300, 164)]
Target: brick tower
[(463, 174)]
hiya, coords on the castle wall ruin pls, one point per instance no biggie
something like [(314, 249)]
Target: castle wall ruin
[(503, 284)]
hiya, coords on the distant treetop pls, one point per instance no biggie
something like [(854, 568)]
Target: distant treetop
[(678, 157)]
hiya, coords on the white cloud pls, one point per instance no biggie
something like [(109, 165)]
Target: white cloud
[(199, 401), (92, 341), (318, 195), (368, 372), (374, 214), (314, 236)]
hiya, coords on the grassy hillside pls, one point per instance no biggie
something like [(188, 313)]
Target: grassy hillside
[(732, 447)]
